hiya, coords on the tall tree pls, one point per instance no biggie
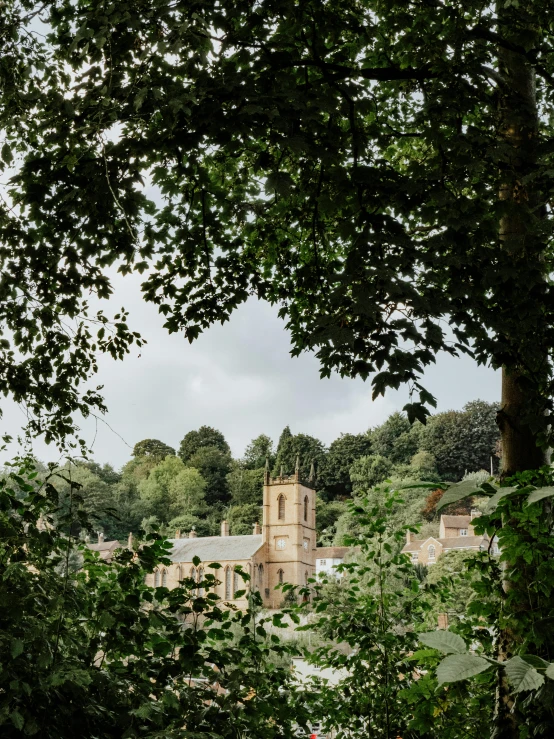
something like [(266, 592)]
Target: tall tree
[(462, 441), (205, 436), (307, 449), (333, 478), (256, 453), (153, 448), (214, 466), (396, 439)]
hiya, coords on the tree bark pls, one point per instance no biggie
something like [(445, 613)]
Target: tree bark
[(522, 251), (519, 124)]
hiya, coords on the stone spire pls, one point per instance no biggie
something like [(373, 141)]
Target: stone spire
[(297, 467), (266, 471), (312, 472)]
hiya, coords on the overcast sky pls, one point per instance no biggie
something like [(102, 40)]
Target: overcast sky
[(241, 379)]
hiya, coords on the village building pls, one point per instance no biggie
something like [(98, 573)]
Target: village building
[(328, 558), (281, 550), (455, 533)]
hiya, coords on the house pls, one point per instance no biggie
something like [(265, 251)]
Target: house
[(455, 533), (327, 559), (105, 549)]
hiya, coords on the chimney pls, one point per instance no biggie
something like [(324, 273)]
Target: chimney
[(178, 534), (192, 534), (408, 537), (442, 621), (224, 528), (256, 530), (474, 513), (100, 537), (130, 541)]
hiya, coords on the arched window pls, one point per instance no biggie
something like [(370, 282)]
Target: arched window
[(280, 575), (179, 573), (164, 578), (431, 552), (261, 576), (228, 583), (306, 578), (200, 578), (156, 578), (236, 583), (193, 577), (306, 508), (281, 504)]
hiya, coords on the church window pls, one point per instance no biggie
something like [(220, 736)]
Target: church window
[(306, 544), (306, 508), (228, 582), (280, 575), (164, 578), (261, 575), (431, 552), (281, 543), (323, 562), (200, 578), (157, 579), (236, 583), (281, 504)]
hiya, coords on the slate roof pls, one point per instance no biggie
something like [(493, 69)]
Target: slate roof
[(331, 552), (215, 548), (456, 522)]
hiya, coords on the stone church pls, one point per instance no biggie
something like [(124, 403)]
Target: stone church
[(282, 550)]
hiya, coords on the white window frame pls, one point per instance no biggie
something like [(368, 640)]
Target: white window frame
[(463, 532)]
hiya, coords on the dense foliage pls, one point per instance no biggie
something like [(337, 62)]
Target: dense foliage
[(89, 650)]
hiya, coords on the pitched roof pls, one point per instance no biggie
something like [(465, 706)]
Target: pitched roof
[(215, 548), (105, 548), (463, 542), (455, 522), (416, 544), (331, 552), (450, 542)]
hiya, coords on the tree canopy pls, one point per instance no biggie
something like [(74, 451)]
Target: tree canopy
[(205, 436), (361, 164)]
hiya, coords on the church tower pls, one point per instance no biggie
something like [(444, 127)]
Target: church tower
[(289, 533)]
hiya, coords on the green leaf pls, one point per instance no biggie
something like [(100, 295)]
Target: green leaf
[(16, 648), (539, 494), (493, 502), (444, 641), (459, 667), (458, 491), (550, 671), (522, 675), (17, 719)]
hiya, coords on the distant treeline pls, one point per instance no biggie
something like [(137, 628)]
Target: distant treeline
[(200, 483)]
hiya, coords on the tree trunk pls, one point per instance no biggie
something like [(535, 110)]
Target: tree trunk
[(522, 251), (521, 402), (519, 439)]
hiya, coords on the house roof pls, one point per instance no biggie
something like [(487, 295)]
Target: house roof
[(215, 548), (105, 548), (331, 552), (455, 522), (450, 542), (463, 542)]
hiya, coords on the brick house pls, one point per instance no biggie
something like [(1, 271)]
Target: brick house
[(455, 533)]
